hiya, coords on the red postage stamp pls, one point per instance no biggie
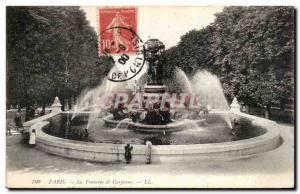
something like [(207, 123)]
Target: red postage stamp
[(115, 25)]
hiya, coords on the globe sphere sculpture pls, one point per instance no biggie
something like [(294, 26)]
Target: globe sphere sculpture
[(153, 48)]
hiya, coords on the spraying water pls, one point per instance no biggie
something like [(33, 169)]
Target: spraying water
[(208, 89), (183, 79), (205, 85), (210, 92), (193, 124), (94, 100), (126, 121)]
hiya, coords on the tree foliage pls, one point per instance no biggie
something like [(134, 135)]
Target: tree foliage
[(51, 51), (251, 49)]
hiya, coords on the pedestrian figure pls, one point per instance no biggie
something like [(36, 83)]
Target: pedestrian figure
[(128, 150), (32, 138), (8, 127), (148, 152), (18, 119)]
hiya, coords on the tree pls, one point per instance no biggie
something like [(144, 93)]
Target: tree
[(250, 49), (51, 51)]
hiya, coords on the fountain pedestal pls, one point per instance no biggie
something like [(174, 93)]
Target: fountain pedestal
[(157, 113), (153, 88)]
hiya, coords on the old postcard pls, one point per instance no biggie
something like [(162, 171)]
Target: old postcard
[(150, 97)]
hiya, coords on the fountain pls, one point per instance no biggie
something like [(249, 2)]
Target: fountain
[(194, 124), (153, 111)]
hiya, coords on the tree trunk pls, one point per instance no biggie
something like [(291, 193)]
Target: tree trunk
[(268, 112), (63, 104), (27, 113), (43, 109), (70, 103)]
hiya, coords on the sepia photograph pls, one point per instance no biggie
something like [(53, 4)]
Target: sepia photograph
[(150, 97)]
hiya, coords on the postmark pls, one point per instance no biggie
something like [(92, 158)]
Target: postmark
[(119, 40)]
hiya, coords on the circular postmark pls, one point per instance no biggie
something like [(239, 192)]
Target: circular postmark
[(127, 50)]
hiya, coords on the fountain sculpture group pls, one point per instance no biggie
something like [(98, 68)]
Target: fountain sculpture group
[(155, 113)]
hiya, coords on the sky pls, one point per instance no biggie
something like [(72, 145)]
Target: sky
[(167, 24)]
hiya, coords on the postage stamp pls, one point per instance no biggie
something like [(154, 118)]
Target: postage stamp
[(118, 38), (114, 24)]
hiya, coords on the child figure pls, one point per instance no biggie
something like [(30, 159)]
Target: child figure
[(128, 150), (32, 138), (148, 152)]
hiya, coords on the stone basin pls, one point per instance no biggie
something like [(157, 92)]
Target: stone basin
[(141, 127)]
